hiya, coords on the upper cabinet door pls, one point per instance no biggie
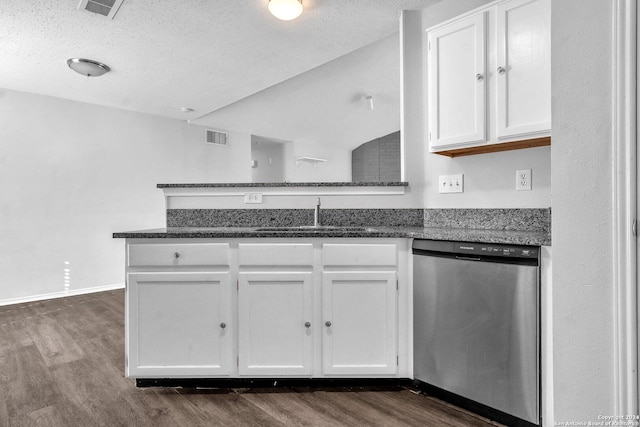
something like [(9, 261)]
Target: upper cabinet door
[(457, 82), (523, 70)]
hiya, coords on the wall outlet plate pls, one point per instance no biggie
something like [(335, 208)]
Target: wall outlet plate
[(451, 183), (253, 197), (523, 180)]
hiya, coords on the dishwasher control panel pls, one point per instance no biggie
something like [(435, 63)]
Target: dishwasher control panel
[(477, 249), (496, 250)]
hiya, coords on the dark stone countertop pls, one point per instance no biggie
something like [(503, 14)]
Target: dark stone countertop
[(286, 184), (530, 238)]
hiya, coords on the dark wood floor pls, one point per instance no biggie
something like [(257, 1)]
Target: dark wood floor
[(62, 364)]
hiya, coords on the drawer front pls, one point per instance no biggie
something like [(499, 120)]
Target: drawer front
[(264, 254), (372, 255), (172, 254)]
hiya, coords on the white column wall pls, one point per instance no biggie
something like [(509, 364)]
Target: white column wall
[(582, 214)]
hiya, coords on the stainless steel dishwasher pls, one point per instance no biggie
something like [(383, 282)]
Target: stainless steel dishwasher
[(476, 327)]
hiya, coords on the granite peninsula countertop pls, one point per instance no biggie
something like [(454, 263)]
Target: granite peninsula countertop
[(530, 238)]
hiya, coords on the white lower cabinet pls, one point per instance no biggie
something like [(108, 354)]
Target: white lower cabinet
[(359, 330), (178, 324), (267, 308), (274, 330)]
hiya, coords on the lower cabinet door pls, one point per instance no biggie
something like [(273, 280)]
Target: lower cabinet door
[(179, 325), (275, 330), (359, 323)]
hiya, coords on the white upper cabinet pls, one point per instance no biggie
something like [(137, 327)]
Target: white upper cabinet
[(524, 68), (457, 90), (489, 77)]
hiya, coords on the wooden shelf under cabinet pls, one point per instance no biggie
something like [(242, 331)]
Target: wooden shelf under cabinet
[(495, 148)]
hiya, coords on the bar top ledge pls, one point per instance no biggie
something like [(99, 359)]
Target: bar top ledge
[(285, 184)]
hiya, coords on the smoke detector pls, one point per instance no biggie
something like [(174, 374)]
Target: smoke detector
[(107, 8)]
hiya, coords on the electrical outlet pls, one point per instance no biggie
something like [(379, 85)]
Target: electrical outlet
[(523, 180), (451, 183), (253, 197)]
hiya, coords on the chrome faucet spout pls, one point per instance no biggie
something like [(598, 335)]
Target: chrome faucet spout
[(316, 217)]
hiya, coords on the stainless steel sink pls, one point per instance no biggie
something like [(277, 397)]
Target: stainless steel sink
[(312, 229)]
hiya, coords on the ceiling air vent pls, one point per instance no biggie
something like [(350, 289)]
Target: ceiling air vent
[(216, 137), (107, 8)]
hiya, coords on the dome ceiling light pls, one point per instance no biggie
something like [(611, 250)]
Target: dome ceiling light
[(286, 10), (87, 67)]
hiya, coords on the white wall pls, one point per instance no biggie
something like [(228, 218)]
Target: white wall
[(269, 160), (582, 215), (490, 179), (337, 168), (74, 173), (412, 111)]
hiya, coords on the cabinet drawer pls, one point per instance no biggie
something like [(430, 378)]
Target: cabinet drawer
[(376, 255), (275, 254), (192, 254)]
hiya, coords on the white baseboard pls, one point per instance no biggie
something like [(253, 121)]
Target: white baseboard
[(61, 294)]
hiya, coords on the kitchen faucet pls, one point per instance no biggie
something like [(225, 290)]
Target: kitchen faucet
[(316, 217)]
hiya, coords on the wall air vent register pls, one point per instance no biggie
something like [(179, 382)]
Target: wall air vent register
[(216, 137), (107, 8)]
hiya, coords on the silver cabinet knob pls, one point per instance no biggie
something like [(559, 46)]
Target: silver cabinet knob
[(327, 323), (501, 70), (176, 255), (479, 77), (307, 324), (223, 325)]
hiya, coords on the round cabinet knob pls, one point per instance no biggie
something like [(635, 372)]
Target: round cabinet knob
[(327, 323), (307, 324), (479, 77), (176, 255), (223, 325), (501, 70)]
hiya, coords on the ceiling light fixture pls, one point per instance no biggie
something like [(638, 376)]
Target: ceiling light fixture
[(286, 10), (87, 67)]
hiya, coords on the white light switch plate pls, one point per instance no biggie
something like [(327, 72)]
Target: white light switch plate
[(253, 197), (451, 183)]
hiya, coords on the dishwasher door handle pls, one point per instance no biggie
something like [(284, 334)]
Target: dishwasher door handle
[(468, 258)]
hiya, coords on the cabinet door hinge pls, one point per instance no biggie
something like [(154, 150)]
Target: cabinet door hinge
[(397, 360), (397, 284), (238, 284), (634, 227), (238, 361)]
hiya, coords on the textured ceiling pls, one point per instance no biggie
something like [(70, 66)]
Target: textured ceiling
[(202, 54)]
